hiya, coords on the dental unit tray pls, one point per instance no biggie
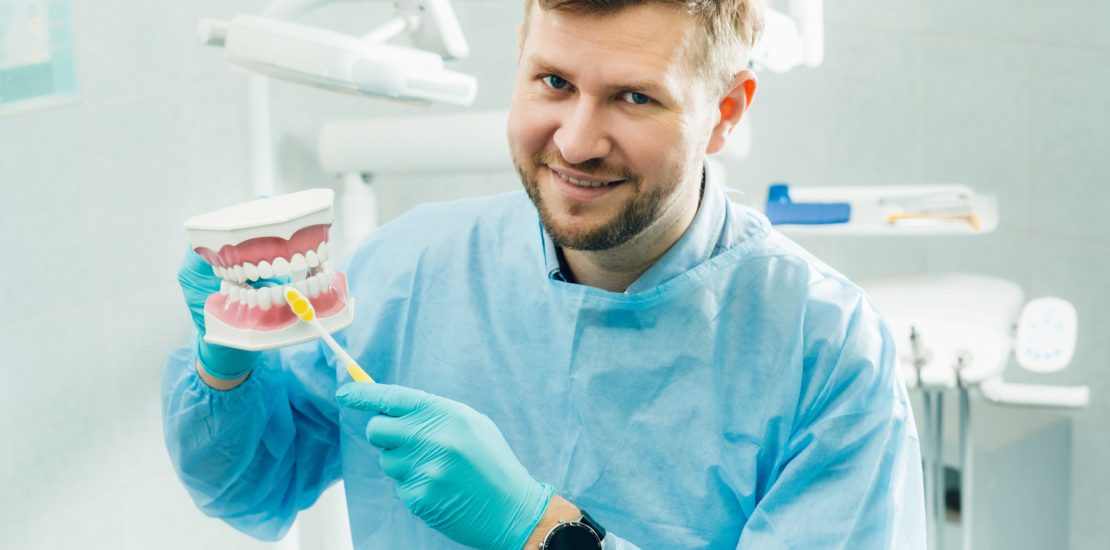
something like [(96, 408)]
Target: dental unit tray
[(898, 210), (283, 239)]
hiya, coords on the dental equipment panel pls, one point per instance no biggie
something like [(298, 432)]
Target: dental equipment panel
[(957, 332), (254, 246), (364, 66), (1046, 335)]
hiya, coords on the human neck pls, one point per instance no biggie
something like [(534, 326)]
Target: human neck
[(618, 267)]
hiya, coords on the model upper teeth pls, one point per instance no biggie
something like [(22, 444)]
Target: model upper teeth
[(584, 183), (283, 237), (300, 264)]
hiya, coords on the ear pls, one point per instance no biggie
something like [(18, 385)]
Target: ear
[(732, 108)]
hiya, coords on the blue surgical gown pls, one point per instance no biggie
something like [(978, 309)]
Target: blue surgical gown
[(740, 394)]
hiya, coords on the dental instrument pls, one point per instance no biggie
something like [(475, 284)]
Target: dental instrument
[(303, 308), (971, 219), (283, 236)]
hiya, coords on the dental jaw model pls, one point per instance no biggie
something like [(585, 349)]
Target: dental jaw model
[(252, 244)]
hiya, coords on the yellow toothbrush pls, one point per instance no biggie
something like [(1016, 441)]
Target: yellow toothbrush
[(301, 306)]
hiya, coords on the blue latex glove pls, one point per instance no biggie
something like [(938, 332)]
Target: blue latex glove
[(198, 282), (454, 469)]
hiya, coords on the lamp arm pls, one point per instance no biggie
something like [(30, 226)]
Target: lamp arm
[(292, 9)]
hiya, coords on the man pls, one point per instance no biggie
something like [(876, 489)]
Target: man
[(627, 343)]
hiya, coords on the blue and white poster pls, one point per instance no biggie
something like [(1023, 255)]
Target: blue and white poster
[(37, 65)]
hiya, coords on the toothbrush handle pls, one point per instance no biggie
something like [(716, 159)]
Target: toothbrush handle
[(353, 369)]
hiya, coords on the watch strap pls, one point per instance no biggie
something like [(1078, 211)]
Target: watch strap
[(586, 519)]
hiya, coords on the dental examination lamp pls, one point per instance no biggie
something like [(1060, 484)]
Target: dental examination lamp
[(272, 45), (792, 39), (366, 65)]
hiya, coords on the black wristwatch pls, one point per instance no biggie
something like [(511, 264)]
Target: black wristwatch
[(582, 534)]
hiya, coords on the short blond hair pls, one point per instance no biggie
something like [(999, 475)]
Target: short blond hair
[(731, 28)]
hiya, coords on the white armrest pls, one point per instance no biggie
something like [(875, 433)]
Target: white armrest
[(1000, 392)]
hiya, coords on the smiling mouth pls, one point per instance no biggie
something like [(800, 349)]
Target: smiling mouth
[(585, 182)]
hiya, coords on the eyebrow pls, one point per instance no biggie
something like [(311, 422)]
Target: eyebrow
[(649, 87)]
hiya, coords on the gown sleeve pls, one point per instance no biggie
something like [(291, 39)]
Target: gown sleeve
[(255, 455), (850, 474), (613, 542)]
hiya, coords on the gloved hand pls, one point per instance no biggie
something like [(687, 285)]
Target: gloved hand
[(198, 281), (454, 469)]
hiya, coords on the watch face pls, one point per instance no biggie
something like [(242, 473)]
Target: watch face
[(572, 536)]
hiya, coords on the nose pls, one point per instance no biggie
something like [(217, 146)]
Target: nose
[(582, 135)]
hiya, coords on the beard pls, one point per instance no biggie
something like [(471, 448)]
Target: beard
[(633, 218)]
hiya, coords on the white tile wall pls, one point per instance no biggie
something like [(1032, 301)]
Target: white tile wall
[(1003, 253), (59, 420), (892, 14), (872, 108), (1071, 142), (126, 48), (981, 19), (791, 129), (1008, 96), (42, 171), (1090, 486), (1072, 22), (977, 122)]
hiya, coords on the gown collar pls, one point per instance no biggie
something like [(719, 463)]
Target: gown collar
[(699, 243)]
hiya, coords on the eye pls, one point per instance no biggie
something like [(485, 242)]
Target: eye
[(636, 98), (555, 82)]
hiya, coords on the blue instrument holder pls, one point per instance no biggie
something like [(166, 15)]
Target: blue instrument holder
[(782, 211)]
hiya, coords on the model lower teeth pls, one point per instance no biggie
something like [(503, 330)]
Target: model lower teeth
[(264, 294)]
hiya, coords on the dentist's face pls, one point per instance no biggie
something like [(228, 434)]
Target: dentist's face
[(609, 122)]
